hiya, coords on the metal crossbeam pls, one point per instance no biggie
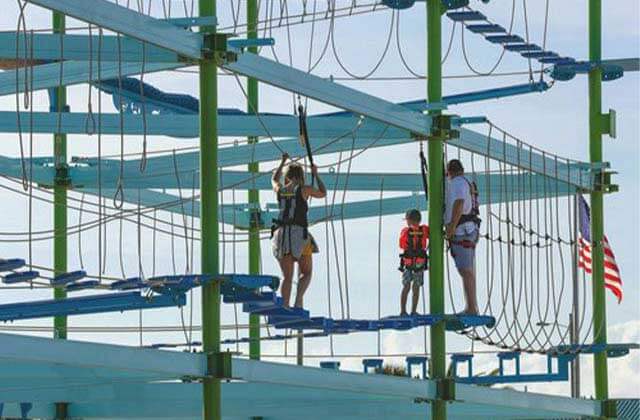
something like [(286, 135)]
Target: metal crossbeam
[(113, 302), (47, 76), (243, 180), (115, 359), (493, 188), (231, 123), (627, 64), (228, 156), (303, 83), (284, 125), (128, 22), (54, 47)]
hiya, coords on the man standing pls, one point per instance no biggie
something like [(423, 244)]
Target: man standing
[(462, 229)]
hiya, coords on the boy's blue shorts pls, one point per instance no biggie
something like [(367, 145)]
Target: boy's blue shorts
[(417, 277)]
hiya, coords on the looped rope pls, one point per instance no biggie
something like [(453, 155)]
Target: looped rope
[(90, 121), (143, 159), (118, 197), (22, 27)]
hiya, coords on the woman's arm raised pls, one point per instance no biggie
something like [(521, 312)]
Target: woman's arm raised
[(275, 179), (310, 191)]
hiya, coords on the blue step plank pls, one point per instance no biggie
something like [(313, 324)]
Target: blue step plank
[(262, 305), (486, 28), (558, 61), (131, 283), (11, 264), (539, 54), (504, 39), (313, 323), (114, 302), (62, 279), (466, 16), (20, 277), (522, 47), (398, 4), (176, 285), (278, 311), (462, 322), (251, 281), (82, 285), (245, 296)]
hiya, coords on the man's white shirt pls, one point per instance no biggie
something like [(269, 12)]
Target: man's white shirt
[(456, 189)]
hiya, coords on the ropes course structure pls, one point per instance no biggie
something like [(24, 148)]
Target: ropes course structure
[(146, 217)]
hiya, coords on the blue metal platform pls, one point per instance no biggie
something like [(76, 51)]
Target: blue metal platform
[(613, 349), (256, 293), (562, 355), (561, 373)]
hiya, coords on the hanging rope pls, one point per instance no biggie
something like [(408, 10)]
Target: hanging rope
[(380, 260), (424, 169), (118, 198), (304, 135)]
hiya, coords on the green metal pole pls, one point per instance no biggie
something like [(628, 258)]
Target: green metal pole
[(254, 195), (436, 199), (209, 216), (597, 208), (59, 103)]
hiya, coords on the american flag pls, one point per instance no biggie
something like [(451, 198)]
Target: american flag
[(612, 280)]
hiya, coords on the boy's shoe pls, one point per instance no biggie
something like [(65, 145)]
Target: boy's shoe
[(404, 314), (414, 314)]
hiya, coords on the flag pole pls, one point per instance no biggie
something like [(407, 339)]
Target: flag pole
[(575, 308)]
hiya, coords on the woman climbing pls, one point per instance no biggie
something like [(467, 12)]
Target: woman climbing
[(292, 241)]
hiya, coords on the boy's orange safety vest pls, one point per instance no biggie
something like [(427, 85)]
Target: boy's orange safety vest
[(413, 241)]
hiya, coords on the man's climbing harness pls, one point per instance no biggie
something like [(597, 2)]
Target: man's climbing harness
[(474, 214)]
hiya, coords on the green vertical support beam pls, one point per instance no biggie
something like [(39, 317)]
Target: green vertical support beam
[(254, 194), (597, 210), (59, 103), (436, 199), (209, 216)]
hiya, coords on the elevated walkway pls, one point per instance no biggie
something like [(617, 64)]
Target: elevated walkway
[(256, 293)]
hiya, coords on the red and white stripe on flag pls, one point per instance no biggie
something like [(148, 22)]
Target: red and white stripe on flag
[(612, 280)]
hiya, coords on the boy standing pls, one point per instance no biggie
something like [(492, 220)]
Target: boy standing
[(413, 260)]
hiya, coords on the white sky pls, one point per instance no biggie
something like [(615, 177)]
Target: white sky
[(555, 121)]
